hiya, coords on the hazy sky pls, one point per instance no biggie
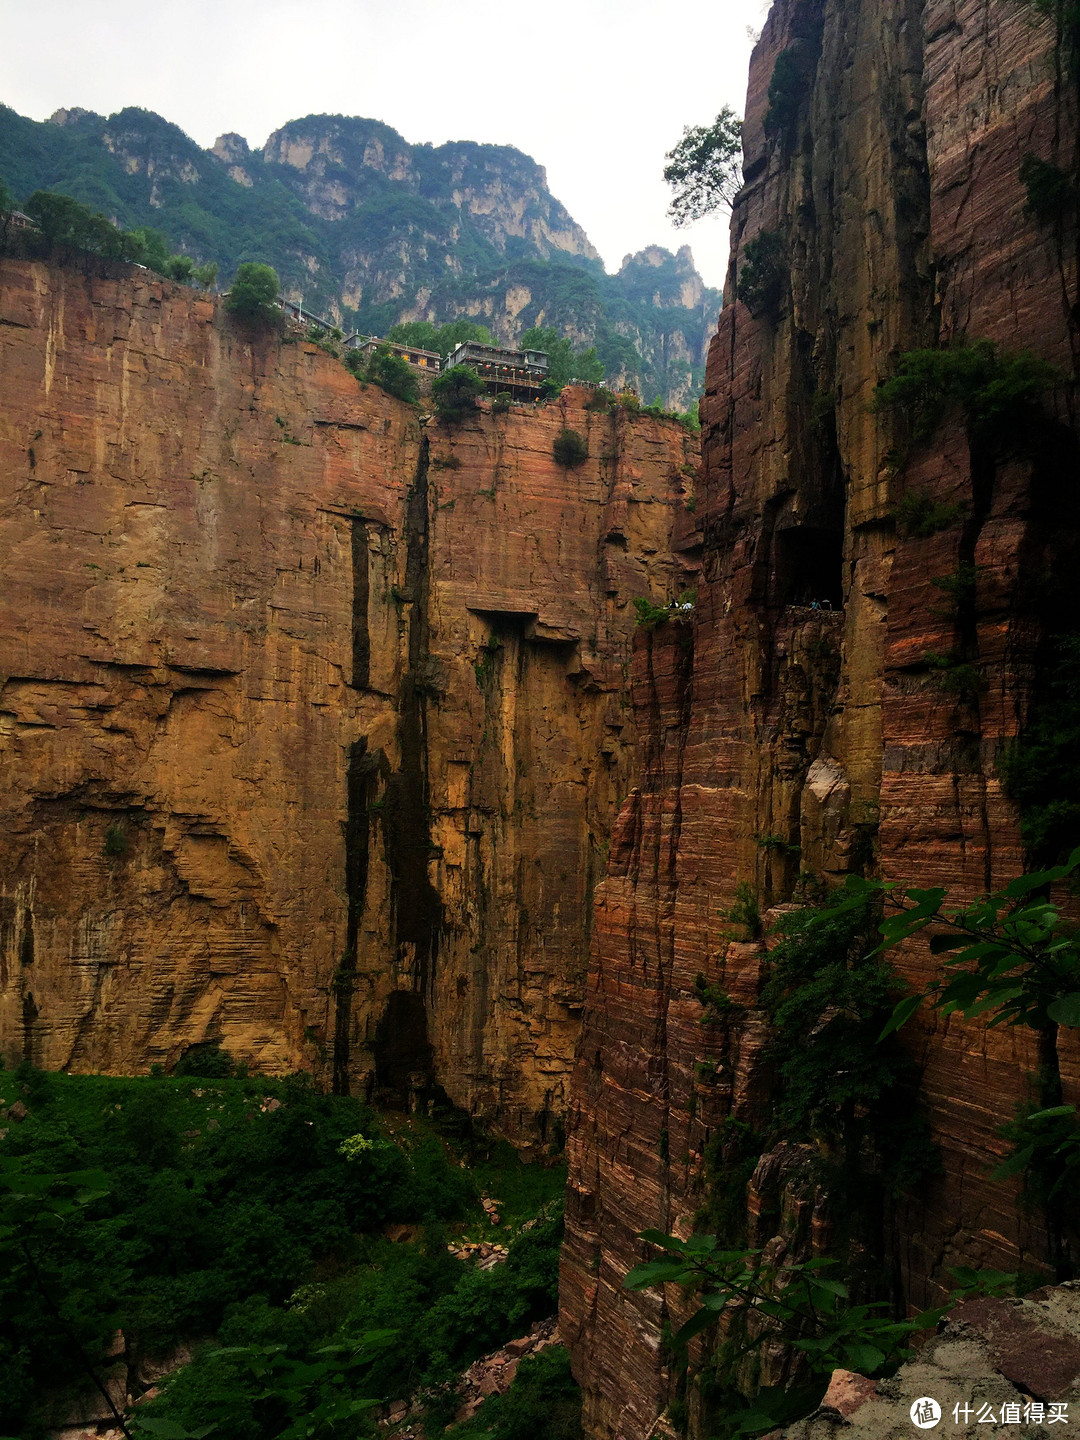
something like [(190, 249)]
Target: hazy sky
[(595, 90)]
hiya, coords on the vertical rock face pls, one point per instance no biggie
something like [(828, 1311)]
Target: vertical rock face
[(882, 212), (312, 721)]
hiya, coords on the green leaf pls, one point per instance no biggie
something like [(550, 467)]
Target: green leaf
[(1054, 1113), (774, 1406), (664, 1241), (1066, 1011), (864, 1359), (171, 1429), (654, 1272), (901, 1015), (694, 1326)]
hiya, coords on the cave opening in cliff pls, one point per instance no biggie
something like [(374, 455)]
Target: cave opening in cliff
[(809, 566), (403, 1055)]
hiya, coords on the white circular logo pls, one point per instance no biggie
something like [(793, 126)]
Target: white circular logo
[(925, 1413)]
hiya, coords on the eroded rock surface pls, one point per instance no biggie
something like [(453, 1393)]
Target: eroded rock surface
[(889, 216), (312, 721)]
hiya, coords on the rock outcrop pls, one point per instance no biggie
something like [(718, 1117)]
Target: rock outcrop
[(313, 719), (882, 212), (999, 1368)]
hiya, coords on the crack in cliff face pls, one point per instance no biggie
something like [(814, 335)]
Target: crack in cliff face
[(361, 782), (403, 1053)]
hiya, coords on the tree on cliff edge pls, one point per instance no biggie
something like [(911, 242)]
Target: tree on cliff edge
[(253, 296), (454, 393), (705, 168)]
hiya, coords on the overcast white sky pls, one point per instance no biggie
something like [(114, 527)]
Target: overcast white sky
[(595, 90)]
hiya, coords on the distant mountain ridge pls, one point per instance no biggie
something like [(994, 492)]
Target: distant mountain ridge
[(367, 227)]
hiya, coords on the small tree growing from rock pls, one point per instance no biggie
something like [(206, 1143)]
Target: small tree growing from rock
[(455, 393), (253, 296), (570, 448)]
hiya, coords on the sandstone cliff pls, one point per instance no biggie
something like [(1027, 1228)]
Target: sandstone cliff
[(313, 719), (885, 199)]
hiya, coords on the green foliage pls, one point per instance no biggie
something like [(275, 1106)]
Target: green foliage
[(1050, 191), (392, 374), (442, 339), (543, 1401), (1011, 955), (776, 844), (785, 87), (253, 295), (565, 363), (828, 998), (1041, 770), (1046, 1151), (802, 1306), (704, 169), (763, 274), (62, 221), (649, 616), (956, 676), (731, 1158), (994, 388), (745, 911), (116, 842), (206, 275), (208, 1061), (201, 1208), (919, 515), (454, 393), (502, 403), (569, 448), (718, 1003), (959, 587)]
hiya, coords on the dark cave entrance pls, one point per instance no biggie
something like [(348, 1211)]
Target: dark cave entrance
[(402, 1049), (809, 566)]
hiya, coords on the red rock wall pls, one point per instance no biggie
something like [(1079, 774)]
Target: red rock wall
[(903, 223), (313, 720)]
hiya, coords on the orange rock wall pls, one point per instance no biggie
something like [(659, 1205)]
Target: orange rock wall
[(902, 222), (313, 719)]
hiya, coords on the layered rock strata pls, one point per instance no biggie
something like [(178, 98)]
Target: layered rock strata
[(882, 213), (313, 719)]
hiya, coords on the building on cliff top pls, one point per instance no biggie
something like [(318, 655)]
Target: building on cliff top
[(426, 360), (519, 372)]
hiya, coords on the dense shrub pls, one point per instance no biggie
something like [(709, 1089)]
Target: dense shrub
[(543, 1403), (994, 388), (212, 1197), (569, 448), (565, 362), (785, 86), (455, 392), (919, 515), (253, 295), (763, 274), (392, 374), (649, 616), (828, 997)]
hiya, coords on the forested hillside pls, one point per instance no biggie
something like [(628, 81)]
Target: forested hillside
[(374, 231)]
